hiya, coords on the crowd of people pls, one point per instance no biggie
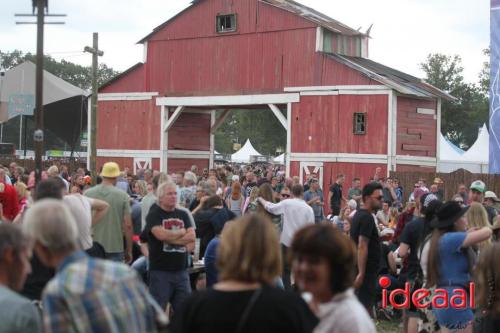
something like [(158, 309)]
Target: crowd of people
[(277, 254)]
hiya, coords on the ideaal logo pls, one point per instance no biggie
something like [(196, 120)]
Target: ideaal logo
[(439, 298)]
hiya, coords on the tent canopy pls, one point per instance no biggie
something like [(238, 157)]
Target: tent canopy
[(280, 159), (65, 106), (479, 151), (447, 150), (475, 159), (243, 155)]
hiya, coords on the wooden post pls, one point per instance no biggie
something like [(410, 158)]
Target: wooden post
[(38, 134), (94, 50)]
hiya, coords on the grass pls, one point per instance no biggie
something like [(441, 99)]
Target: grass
[(385, 326)]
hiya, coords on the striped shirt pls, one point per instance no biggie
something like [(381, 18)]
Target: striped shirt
[(92, 295)]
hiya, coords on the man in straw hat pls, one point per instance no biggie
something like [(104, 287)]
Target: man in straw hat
[(117, 222)]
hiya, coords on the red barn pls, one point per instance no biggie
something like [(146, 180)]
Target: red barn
[(343, 112)]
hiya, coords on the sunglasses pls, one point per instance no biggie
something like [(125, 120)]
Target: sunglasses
[(285, 195), (379, 197)]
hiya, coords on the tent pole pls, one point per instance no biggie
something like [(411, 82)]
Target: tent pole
[(20, 131), (25, 145)]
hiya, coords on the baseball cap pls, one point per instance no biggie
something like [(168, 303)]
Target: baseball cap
[(491, 195), (478, 186)]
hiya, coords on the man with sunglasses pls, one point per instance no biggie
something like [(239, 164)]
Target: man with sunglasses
[(364, 233)]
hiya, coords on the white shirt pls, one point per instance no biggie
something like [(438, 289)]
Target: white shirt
[(344, 314), (296, 214), (81, 209)]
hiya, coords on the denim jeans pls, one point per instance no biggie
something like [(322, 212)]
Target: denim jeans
[(141, 265), (173, 287)]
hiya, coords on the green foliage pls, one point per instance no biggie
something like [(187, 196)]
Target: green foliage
[(259, 125), (77, 75), (462, 118), (484, 75)]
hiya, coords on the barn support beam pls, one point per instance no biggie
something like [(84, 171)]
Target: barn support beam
[(212, 137), (163, 139), (279, 115), (219, 121), (288, 154), (175, 116)]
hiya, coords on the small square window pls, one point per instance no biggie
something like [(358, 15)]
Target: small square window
[(226, 23), (359, 123)]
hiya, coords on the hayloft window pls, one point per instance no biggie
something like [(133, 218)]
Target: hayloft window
[(226, 23), (359, 123)]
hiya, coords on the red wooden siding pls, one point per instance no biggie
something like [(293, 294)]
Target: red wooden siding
[(133, 81), (294, 168), (183, 164), (128, 125), (414, 168), (191, 131), (416, 133), (324, 124), (123, 162)]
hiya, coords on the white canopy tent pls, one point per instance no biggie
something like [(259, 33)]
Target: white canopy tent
[(243, 155), (474, 160), (280, 159)]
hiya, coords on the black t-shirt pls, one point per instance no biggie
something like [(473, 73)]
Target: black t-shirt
[(363, 224), (411, 235), (162, 256), (219, 311), (336, 198), (387, 196), (384, 262), (249, 188)]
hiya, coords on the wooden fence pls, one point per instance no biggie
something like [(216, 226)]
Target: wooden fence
[(29, 164), (451, 181)]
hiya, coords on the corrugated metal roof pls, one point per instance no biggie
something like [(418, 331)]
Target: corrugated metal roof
[(399, 81), (314, 16), (290, 6)]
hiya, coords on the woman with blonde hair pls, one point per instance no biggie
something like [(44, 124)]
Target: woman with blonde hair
[(250, 203), (22, 194), (487, 279), (477, 217), (249, 260)]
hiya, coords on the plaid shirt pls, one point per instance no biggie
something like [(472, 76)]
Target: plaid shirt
[(91, 295)]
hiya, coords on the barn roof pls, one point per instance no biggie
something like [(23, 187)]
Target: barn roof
[(288, 5), (122, 74), (314, 16), (397, 80)]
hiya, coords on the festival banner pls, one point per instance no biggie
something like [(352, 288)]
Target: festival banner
[(495, 88)]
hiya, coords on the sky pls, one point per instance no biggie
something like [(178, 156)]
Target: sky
[(404, 31)]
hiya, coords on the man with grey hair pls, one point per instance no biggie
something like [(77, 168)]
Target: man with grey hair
[(188, 192), (170, 236), (18, 314), (89, 294)]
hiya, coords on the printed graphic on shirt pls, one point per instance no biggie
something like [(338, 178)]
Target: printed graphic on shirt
[(173, 224)]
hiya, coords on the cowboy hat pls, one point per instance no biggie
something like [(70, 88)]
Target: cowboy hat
[(448, 214)]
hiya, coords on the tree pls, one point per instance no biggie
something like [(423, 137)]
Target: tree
[(258, 125), (77, 75), (460, 119), (484, 75)]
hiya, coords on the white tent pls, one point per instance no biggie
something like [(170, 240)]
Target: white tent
[(478, 154), (243, 155), (475, 159), (280, 159)]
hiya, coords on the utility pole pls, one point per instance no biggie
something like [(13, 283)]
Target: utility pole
[(94, 50), (42, 9)]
